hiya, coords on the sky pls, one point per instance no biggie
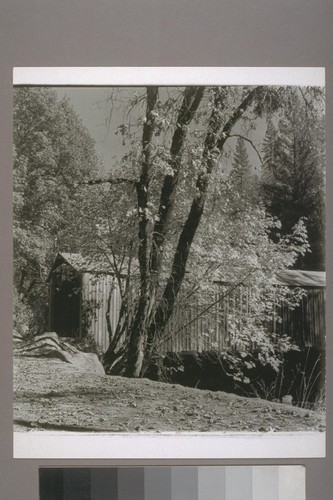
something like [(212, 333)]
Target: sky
[(90, 103), (91, 106)]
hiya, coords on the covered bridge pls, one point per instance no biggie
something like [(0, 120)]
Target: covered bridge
[(200, 327), (80, 287)]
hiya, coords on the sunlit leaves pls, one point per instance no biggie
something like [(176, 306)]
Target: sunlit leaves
[(53, 153)]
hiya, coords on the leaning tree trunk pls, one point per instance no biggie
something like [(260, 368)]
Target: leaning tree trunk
[(151, 246), (214, 142)]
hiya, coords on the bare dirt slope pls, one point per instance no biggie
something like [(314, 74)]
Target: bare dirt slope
[(50, 394)]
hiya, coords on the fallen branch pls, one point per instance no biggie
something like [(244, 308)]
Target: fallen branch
[(109, 180)]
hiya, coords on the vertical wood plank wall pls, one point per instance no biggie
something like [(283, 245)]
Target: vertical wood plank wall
[(192, 328), (95, 291)]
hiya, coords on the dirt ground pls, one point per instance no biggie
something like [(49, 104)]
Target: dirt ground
[(52, 395)]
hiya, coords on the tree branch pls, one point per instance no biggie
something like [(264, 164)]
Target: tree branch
[(109, 180), (247, 101), (250, 142)]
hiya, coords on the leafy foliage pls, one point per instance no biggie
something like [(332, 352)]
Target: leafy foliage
[(53, 152), (193, 223), (233, 249)]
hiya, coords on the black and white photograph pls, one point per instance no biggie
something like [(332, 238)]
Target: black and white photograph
[(169, 261)]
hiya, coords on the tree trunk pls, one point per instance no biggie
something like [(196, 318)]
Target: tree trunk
[(145, 330), (150, 261), (190, 104), (137, 330), (214, 142)]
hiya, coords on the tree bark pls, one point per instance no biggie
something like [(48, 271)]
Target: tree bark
[(137, 330), (214, 142), (144, 330), (190, 104)]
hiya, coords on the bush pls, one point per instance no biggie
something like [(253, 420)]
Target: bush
[(29, 319), (22, 316), (300, 376)]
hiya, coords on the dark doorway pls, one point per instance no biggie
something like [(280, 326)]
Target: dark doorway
[(65, 305)]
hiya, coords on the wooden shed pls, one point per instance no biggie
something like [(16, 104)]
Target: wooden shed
[(79, 289)]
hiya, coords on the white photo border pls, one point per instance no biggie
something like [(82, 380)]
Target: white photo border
[(138, 76)]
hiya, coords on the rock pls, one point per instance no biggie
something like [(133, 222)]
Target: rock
[(86, 361), (287, 400), (49, 345)]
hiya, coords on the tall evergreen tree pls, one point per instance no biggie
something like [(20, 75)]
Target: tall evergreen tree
[(242, 184), (241, 176), (293, 175)]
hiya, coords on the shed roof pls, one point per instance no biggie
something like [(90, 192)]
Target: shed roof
[(288, 277), (82, 263), (291, 277)]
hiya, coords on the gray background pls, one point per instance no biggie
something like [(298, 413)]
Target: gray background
[(150, 33)]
